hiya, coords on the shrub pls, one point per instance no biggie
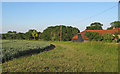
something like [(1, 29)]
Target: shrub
[(93, 36), (108, 37), (115, 40), (116, 37)]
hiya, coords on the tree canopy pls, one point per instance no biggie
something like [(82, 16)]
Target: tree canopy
[(53, 33), (31, 34), (95, 26), (115, 24)]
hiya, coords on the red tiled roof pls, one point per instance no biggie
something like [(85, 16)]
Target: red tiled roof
[(75, 37), (99, 31)]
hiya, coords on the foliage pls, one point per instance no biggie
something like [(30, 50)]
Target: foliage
[(20, 36), (31, 34), (115, 24), (110, 28), (28, 35), (116, 36), (108, 37), (16, 48), (9, 35), (95, 26), (115, 40), (35, 34), (93, 36), (52, 33)]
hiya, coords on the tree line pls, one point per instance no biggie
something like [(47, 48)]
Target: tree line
[(51, 33), (31, 34)]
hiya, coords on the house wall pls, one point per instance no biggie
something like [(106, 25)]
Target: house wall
[(86, 40)]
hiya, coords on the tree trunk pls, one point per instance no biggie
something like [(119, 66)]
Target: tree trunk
[(34, 38)]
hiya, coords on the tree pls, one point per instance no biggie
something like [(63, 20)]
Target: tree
[(4, 36), (34, 34), (31, 34), (11, 35), (46, 35), (20, 36), (39, 33), (95, 26), (110, 28), (14, 34), (28, 35), (53, 33), (9, 32), (115, 24)]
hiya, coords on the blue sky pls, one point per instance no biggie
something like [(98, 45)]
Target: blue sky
[(22, 16)]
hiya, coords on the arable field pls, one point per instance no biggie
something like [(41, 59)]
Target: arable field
[(67, 57), (16, 48)]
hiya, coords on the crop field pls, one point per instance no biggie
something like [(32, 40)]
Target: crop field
[(12, 49), (65, 57)]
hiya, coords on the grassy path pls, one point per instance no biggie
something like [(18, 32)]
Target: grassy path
[(69, 57)]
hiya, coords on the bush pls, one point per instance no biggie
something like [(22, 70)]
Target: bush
[(116, 37), (93, 36), (108, 37), (115, 40)]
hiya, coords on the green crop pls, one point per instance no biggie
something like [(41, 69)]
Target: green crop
[(12, 49)]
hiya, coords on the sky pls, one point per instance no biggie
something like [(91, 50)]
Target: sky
[(22, 16)]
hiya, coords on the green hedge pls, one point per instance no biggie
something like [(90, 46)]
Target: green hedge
[(108, 37), (95, 36)]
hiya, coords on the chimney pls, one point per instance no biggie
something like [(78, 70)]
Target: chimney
[(113, 27)]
